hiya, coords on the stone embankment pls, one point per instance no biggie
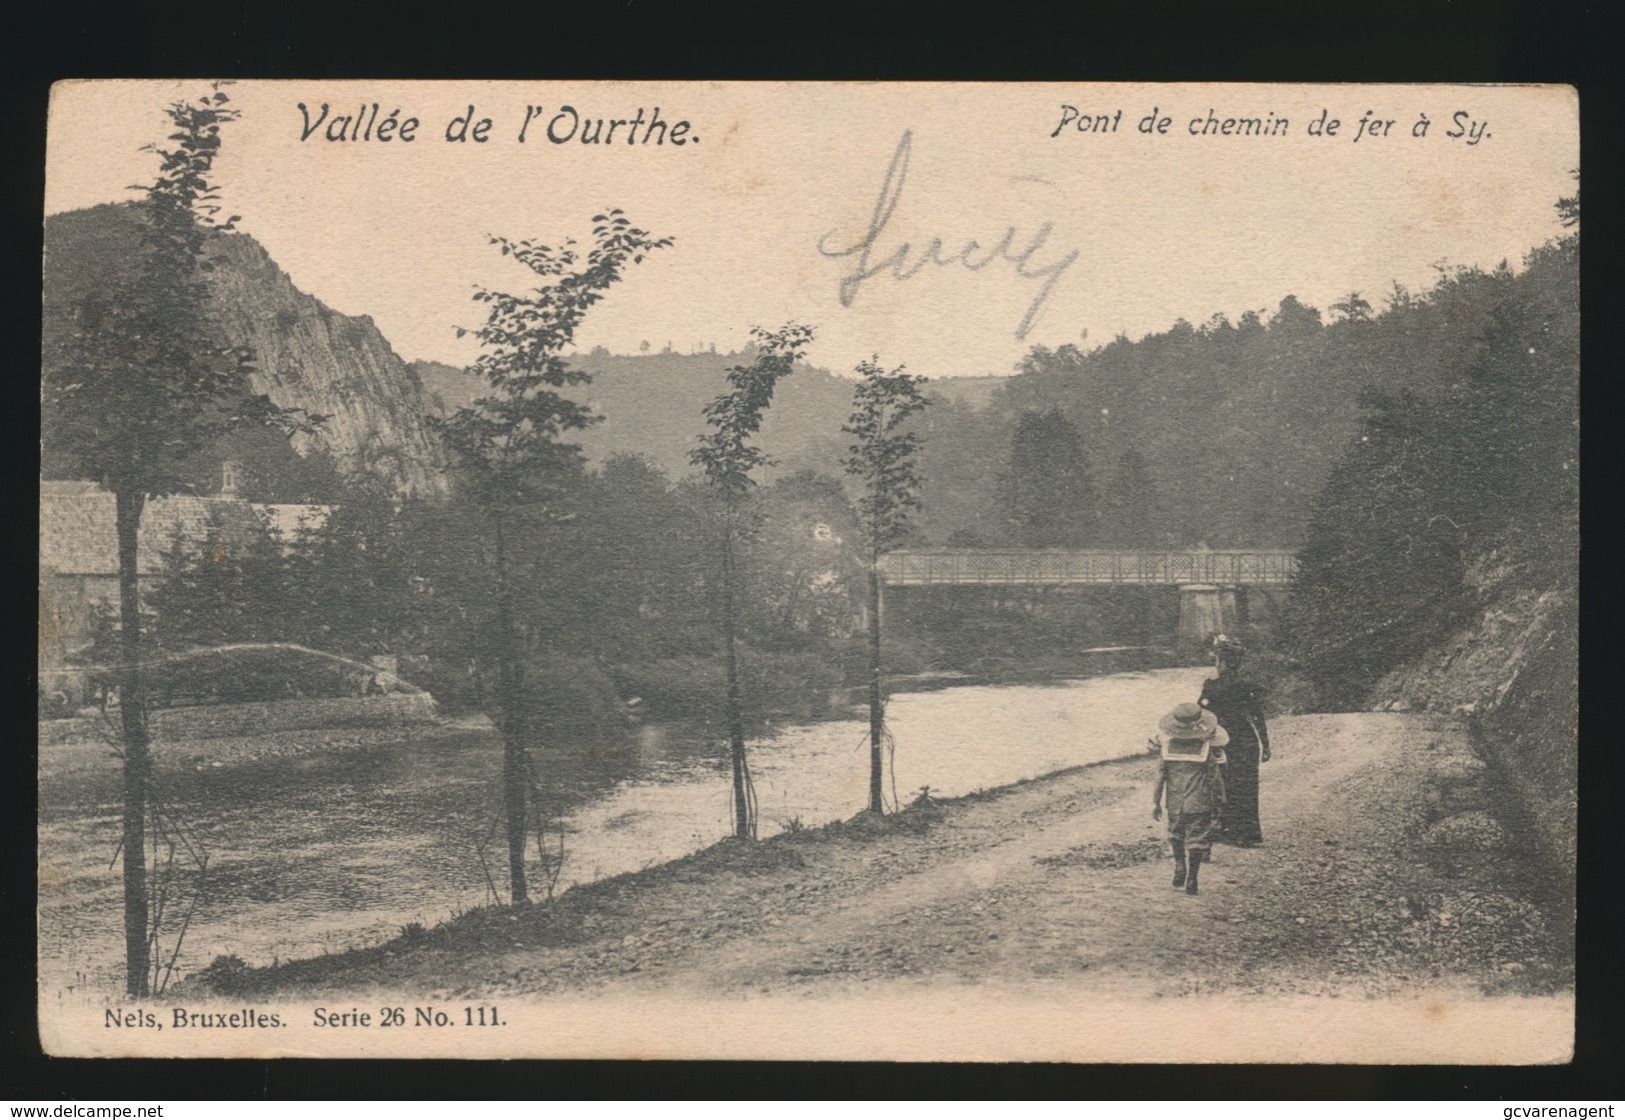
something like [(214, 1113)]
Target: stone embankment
[(224, 734)]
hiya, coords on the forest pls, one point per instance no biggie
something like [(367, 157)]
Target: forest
[(1397, 449), (1390, 446), (1456, 416)]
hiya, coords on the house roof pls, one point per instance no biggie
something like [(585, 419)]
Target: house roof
[(78, 519)]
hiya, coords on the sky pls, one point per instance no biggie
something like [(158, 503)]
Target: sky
[(850, 206)]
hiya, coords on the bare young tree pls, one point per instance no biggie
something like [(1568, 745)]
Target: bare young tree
[(514, 469), (136, 383), (882, 459), (727, 458)]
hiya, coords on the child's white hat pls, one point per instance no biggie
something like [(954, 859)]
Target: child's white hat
[(1188, 721)]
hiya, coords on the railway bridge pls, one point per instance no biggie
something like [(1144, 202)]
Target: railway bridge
[(1209, 581)]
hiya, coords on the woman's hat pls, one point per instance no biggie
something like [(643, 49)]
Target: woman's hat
[(1189, 722), (1228, 647)]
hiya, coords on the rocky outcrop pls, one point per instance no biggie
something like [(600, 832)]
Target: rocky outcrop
[(306, 355), (1479, 664), (309, 356)]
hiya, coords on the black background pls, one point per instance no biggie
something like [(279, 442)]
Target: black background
[(1493, 41)]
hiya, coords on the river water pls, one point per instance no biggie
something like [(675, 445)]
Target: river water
[(325, 852)]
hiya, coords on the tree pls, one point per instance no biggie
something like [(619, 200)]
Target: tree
[(230, 589), (800, 565), (136, 383), (1295, 317), (1050, 498), (1131, 506), (882, 459), (1568, 207), (1380, 572), (1483, 465), (356, 573), (727, 458), (1353, 308), (515, 474), (959, 496), (641, 563)]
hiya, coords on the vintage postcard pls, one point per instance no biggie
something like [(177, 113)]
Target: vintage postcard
[(966, 572)]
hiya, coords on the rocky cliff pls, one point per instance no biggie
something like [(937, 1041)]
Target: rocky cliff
[(307, 355)]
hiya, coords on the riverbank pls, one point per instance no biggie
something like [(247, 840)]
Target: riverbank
[(319, 840), (1385, 874)]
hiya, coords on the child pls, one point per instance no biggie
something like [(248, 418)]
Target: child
[(1191, 773)]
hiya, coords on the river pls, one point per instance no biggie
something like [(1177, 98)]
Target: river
[(322, 852)]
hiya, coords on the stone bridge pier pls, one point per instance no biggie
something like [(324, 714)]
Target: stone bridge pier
[(1206, 609)]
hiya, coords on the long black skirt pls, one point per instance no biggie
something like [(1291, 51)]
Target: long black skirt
[(1240, 819)]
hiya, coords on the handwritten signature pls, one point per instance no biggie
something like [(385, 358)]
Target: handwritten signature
[(904, 263)]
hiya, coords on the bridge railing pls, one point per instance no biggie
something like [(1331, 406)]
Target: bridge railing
[(1168, 567)]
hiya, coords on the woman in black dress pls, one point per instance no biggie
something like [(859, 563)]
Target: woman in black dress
[(1238, 704)]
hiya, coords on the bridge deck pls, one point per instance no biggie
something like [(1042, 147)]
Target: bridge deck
[(1029, 567)]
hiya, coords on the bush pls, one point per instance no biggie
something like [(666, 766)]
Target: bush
[(793, 684), (572, 705), (54, 704), (900, 655), (453, 686), (676, 687), (246, 675), (772, 684), (1291, 695)]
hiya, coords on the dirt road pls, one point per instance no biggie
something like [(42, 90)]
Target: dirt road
[(1383, 871)]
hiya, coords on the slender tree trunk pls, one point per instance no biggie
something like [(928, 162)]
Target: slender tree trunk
[(513, 726), (876, 711), (133, 716), (736, 720)]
